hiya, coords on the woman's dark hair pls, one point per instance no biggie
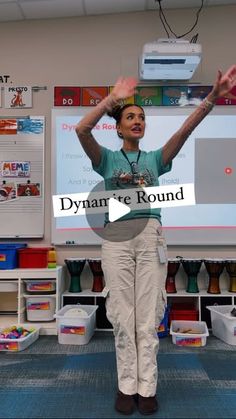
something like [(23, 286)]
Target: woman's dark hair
[(117, 111)]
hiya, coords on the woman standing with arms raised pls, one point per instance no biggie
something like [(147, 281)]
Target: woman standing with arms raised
[(135, 268)]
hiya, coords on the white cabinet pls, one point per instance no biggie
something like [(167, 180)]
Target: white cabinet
[(202, 298), (199, 300), (13, 290)]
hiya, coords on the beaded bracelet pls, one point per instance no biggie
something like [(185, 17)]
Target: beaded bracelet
[(207, 105)]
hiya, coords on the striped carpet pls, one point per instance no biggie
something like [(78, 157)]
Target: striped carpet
[(49, 380)]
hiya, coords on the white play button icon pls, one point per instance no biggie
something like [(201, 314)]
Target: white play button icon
[(117, 209), (102, 223)]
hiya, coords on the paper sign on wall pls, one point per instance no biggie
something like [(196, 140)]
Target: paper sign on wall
[(14, 168), (148, 96), (18, 97), (66, 96), (8, 126), (91, 96), (229, 99)]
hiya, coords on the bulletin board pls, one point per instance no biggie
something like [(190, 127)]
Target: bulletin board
[(22, 177)]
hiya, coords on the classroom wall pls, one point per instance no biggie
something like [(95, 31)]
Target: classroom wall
[(95, 50)]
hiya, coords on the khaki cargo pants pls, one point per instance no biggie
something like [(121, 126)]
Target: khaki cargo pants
[(135, 274)]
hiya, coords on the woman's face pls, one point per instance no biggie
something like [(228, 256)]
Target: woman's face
[(132, 123)]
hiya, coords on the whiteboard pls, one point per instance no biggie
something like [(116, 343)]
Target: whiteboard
[(22, 177), (204, 160)]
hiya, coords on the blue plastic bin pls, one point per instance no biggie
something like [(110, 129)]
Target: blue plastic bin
[(9, 255), (163, 329)]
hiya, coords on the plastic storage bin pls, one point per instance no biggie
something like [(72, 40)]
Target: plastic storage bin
[(16, 345), (9, 255), (8, 286), (181, 337), (33, 257), (183, 311), (39, 286), (76, 330), (223, 323), (163, 329), (40, 308)]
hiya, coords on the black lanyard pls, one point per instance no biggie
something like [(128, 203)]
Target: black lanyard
[(133, 164)]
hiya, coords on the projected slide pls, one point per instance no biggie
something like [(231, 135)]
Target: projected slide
[(208, 159), (215, 161)]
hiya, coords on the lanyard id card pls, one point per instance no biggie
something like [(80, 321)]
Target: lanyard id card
[(162, 254)]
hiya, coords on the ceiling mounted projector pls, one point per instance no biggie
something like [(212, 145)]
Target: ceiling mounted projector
[(169, 59)]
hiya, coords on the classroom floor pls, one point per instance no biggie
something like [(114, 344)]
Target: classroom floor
[(50, 380)]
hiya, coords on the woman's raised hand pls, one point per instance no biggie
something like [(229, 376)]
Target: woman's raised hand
[(224, 82), (124, 88)]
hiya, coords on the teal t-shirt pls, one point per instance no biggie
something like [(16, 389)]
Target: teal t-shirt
[(117, 174)]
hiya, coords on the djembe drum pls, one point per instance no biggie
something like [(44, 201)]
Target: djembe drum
[(75, 267), (96, 268), (214, 269), (192, 268), (230, 265), (172, 269)]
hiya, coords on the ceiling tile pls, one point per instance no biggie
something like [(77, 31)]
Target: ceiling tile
[(41, 9), (94, 7), (172, 4), (220, 2), (10, 12)]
